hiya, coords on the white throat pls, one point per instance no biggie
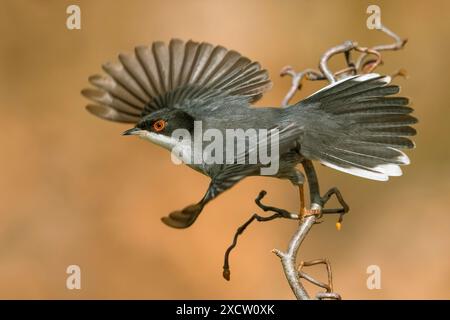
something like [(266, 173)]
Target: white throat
[(164, 141), (181, 151)]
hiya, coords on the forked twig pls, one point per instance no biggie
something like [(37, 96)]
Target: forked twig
[(289, 258), (361, 66), (346, 47), (398, 44), (279, 213)]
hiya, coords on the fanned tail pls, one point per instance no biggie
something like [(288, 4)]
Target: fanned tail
[(357, 127)]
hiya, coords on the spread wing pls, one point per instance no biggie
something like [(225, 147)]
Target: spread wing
[(160, 76)]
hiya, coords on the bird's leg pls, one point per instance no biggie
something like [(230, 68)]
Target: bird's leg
[(303, 211), (184, 218)]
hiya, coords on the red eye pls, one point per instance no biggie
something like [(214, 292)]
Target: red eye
[(159, 125)]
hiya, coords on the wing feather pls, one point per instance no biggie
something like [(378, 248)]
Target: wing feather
[(162, 76)]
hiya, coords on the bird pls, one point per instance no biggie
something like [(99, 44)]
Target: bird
[(357, 125)]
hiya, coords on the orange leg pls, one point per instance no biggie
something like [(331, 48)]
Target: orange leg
[(303, 211)]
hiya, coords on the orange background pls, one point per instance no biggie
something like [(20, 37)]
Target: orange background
[(74, 191)]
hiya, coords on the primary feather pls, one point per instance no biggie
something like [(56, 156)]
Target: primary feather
[(160, 76)]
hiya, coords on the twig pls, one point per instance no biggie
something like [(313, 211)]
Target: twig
[(397, 45), (297, 78), (226, 265), (328, 294), (328, 287), (288, 258), (360, 66), (346, 47), (279, 213)]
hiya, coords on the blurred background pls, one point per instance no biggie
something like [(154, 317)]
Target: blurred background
[(74, 191)]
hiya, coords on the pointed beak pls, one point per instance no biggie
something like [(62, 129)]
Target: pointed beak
[(132, 131)]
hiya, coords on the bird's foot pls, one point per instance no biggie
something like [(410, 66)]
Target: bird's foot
[(310, 212), (184, 218)]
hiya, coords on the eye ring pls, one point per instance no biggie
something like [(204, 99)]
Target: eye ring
[(159, 125)]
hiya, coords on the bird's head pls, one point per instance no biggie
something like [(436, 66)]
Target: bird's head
[(159, 126)]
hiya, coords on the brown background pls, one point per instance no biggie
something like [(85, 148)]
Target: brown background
[(73, 191)]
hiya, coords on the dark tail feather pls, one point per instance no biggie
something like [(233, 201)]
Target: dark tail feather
[(355, 126)]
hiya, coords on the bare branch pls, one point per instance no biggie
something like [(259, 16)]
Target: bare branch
[(297, 78), (279, 213), (361, 66), (318, 283), (397, 45), (288, 259), (343, 48), (329, 286), (328, 295)]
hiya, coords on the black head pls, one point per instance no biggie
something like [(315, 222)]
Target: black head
[(164, 122)]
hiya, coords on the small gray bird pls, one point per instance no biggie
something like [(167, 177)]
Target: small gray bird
[(354, 125)]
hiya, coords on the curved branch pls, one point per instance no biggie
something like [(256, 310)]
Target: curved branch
[(288, 259), (398, 44), (342, 48)]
